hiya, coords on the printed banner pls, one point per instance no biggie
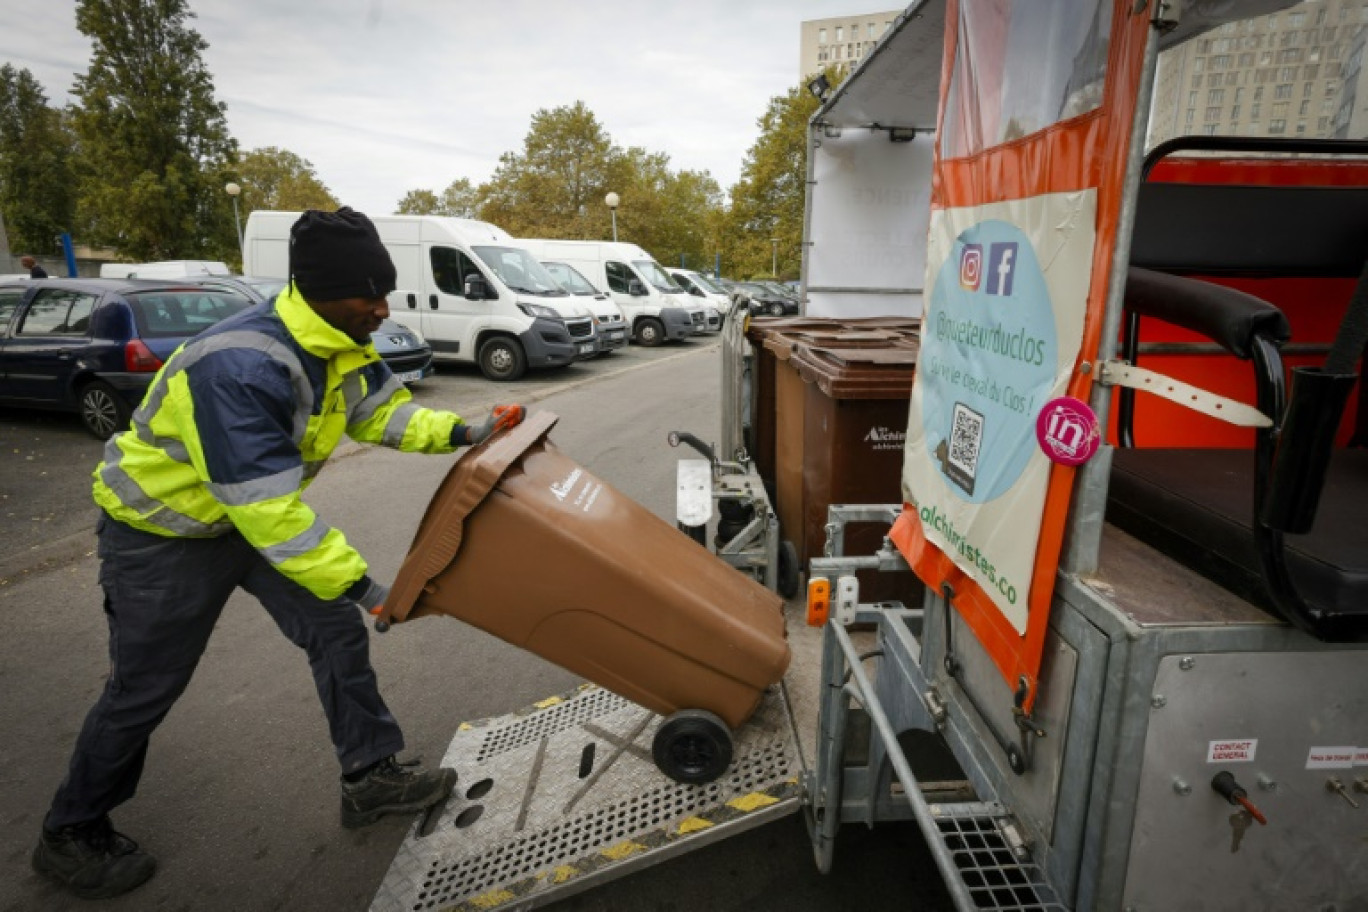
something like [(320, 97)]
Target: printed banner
[(1004, 321)]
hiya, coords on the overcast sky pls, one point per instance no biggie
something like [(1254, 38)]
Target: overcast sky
[(384, 96)]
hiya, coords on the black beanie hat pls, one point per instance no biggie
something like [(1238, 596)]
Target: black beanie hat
[(337, 255)]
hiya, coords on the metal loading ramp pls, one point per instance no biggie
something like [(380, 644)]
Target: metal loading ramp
[(564, 795)]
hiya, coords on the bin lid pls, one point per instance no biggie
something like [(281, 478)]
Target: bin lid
[(465, 487), (859, 373)]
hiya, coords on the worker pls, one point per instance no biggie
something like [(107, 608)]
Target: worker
[(203, 495), (34, 270)]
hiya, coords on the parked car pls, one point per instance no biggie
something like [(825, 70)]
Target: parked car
[(763, 300), (608, 318), (405, 351), (92, 346)]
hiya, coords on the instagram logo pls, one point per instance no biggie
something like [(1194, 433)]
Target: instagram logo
[(971, 266)]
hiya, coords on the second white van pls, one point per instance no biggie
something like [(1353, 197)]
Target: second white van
[(472, 291), (657, 310)]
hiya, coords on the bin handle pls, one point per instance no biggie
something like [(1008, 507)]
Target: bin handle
[(467, 484)]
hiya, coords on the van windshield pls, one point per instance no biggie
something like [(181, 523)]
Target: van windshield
[(570, 279), (517, 269), (650, 271), (707, 284)]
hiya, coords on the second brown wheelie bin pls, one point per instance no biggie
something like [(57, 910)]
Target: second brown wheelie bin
[(523, 542)]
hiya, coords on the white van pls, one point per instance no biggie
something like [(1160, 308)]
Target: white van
[(611, 325), (164, 269), (472, 291), (657, 310), (702, 286)]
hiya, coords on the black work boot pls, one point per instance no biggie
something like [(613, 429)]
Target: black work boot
[(92, 860), (389, 788)]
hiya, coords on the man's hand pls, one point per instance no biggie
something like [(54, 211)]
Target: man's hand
[(501, 418), (368, 594)]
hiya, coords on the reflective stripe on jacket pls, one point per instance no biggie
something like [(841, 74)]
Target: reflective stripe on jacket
[(239, 421)]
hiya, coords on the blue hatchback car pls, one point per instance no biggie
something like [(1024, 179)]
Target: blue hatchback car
[(92, 346)]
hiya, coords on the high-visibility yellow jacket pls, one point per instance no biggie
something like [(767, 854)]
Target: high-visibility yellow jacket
[(239, 421)]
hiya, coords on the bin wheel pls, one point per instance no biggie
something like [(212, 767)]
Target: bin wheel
[(787, 578), (697, 533), (692, 746), (650, 332)]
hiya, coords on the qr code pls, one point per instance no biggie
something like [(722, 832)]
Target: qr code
[(966, 435)]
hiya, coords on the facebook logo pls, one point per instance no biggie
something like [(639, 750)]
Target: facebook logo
[(1001, 266)]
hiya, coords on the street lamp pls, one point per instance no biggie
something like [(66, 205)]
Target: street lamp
[(612, 200), (233, 190), (774, 258)]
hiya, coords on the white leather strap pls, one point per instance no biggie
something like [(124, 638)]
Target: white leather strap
[(1119, 373)]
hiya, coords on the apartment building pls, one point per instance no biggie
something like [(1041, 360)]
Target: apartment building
[(1291, 73), (842, 40)]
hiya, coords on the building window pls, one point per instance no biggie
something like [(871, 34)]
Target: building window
[(840, 33), (1301, 128), (1254, 111), (821, 36), (1304, 109), (1279, 109), (1233, 78), (1213, 114), (1246, 60), (1258, 93), (1216, 96), (1188, 119), (1234, 112), (1239, 95), (1196, 82), (1276, 127), (1209, 130), (870, 32), (1283, 91)]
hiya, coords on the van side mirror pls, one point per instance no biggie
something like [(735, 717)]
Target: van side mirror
[(636, 289), (476, 288)]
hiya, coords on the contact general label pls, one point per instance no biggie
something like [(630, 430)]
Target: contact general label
[(1239, 750)]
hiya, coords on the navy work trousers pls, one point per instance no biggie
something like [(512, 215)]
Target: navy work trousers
[(162, 599)]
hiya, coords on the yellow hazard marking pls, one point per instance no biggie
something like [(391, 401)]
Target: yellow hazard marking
[(622, 850), (549, 701), (562, 874), (464, 727), (492, 899), (754, 800), (693, 825)]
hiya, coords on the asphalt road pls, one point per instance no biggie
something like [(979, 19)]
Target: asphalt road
[(239, 799)]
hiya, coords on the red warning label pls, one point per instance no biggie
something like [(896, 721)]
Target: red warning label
[(1232, 751)]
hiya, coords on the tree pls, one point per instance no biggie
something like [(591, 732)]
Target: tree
[(154, 150), (556, 185), (459, 199), (418, 202), (36, 144), (767, 202), (279, 179)]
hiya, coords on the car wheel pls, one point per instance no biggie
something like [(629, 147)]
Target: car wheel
[(650, 332), (502, 358), (692, 746), (103, 411), (776, 309)]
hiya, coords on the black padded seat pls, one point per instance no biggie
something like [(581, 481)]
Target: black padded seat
[(1196, 506)]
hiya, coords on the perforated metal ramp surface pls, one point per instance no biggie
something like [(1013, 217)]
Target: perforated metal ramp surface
[(999, 875), (564, 795)]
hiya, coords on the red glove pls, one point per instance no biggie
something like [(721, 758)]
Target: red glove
[(508, 416)]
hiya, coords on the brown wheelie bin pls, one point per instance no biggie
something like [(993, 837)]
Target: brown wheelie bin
[(524, 543)]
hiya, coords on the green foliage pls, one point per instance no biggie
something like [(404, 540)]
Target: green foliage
[(556, 185), (767, 202), (418, 202), (556, 188), (279, 179), (37, 198), (154, 151), (457, 200)]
